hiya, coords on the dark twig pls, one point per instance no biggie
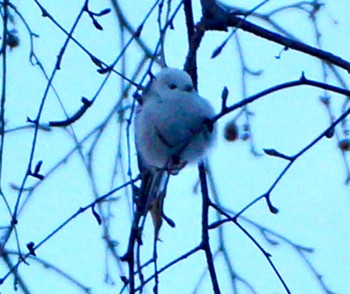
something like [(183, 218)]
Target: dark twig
[(75, 117), (172, 263), (302, 81), (205, 228), (80, 211), (256, 243), (291, 159), (36, 120), (191, 67)]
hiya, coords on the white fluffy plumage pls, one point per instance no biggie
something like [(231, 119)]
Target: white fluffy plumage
[(172, 121), (173, 127)]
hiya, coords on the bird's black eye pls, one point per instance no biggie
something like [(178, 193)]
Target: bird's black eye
[(172, 86), (188, 88)]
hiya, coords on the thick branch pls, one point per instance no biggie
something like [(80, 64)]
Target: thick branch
[(217, 18)]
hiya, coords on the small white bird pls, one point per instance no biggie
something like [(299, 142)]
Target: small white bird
[(173, 127)]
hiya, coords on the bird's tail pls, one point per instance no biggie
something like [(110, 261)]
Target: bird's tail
[(152, 194), (156, 197)]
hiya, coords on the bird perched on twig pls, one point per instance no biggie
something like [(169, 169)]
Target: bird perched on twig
[(173, 127)]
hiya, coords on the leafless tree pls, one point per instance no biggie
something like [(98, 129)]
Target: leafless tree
[(97, 133)]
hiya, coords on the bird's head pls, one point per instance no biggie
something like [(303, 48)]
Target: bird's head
[(172, 79)]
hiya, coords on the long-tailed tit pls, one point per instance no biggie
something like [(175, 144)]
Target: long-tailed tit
[(173, 127)]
